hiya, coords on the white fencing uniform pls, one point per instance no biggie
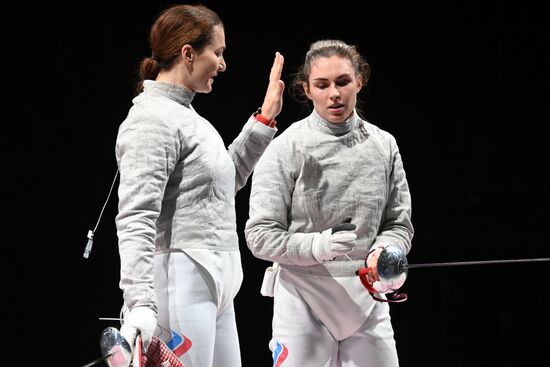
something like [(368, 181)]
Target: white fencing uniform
[(176, 224), (311, 177)]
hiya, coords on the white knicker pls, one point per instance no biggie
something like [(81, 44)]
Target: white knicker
[(323, 321), (195, 292)]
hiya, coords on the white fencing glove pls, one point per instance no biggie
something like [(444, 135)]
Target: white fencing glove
[(335, 241), (140, 320)]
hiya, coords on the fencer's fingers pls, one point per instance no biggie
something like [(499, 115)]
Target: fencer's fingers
[(129, 333), (372, 258), (277, 68), (281, 86), (146, 342), (344, 227)]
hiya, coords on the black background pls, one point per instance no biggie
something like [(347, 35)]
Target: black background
[(460, 84)]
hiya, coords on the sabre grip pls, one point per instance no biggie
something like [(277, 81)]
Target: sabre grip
[(345, 225)]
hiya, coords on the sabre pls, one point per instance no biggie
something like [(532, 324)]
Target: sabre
[(97, 361), (115, 349), (482, 262), (386, 274)]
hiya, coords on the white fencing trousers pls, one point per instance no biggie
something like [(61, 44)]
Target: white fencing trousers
[(196, 301), (321, 321)]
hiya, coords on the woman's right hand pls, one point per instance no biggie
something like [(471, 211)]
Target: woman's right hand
[(273, 101)]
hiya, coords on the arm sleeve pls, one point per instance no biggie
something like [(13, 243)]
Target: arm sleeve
[(146, 152), (396, 227), (266, 230), (247, 148)]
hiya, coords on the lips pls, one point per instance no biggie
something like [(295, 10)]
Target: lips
[(336, 108)]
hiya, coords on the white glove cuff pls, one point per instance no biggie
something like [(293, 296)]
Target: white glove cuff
[(321, 247)]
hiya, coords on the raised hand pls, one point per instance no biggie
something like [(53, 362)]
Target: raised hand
[(273, 100)]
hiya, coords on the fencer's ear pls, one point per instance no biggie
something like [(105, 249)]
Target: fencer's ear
[(306, 89), (187, 52), (359, 85)]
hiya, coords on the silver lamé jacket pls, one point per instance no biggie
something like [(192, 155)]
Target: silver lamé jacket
[(177, 183), (314, 175)]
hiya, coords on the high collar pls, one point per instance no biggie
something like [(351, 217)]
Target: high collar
[(335, 129), (176, 92)]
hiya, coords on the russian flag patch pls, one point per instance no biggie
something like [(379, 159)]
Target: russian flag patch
[(279, 354), (178, 343)]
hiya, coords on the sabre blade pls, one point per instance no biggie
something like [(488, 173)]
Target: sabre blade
[(96, 361), (485, 262)]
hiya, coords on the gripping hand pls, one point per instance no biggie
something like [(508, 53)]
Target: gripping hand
[(335, 241), (140, 320)]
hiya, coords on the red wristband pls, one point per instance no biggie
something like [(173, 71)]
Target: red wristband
[(264, 120)]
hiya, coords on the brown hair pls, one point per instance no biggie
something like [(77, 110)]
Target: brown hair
[(175, 27), (327, 48)]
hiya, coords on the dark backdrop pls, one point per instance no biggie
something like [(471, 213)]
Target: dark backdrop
[(460, 84)]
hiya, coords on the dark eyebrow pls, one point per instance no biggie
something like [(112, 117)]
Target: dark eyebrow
[(346, 75), (219, 49)]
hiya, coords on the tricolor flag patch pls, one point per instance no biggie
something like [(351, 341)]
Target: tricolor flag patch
[(178, 343), (279, 354)]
